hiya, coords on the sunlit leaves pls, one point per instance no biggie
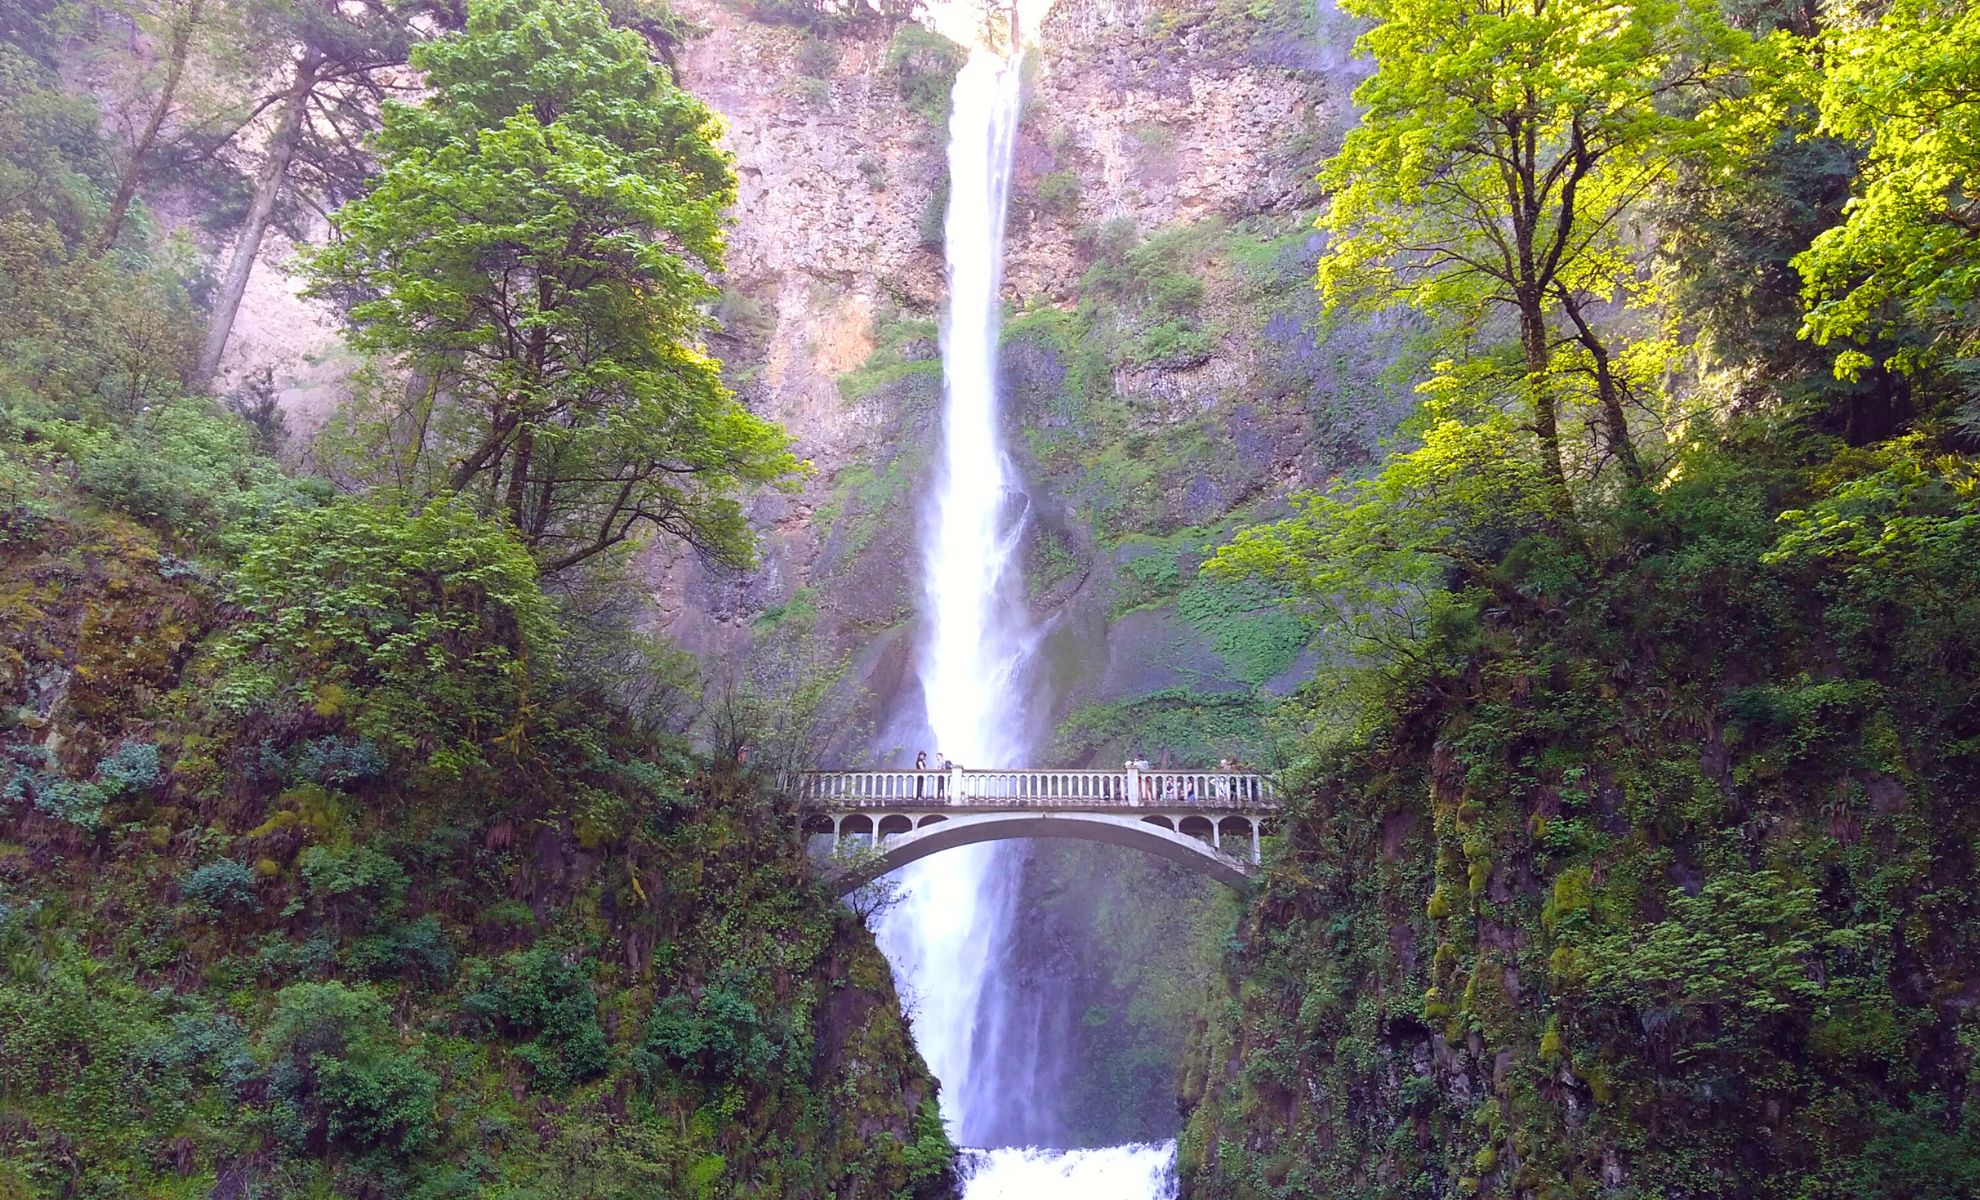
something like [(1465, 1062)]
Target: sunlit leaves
[(1908, 250)]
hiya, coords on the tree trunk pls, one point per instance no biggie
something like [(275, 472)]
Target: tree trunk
[(268, 189), (1546, 415), (175, 68), (1608, 391)]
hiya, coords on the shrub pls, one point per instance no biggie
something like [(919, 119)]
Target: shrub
[(357, 888), (23, 514), (538, 992), (130, 768), (425, 630), (218, 887), (1058, 193), (924, 65), (339, 762), (419, 947), (720, 1036), (337, 1079), (191, 470)]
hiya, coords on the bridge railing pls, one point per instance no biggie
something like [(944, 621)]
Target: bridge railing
[(1042, 788)]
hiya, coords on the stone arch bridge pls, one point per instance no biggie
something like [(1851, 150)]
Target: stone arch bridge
[(1209, 821)]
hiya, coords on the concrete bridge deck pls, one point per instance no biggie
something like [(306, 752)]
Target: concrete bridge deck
[(1210, 821)]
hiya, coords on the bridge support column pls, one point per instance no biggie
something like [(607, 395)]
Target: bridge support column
[(1256, 857)]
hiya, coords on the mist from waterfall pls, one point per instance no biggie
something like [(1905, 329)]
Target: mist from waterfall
[(953, 928)]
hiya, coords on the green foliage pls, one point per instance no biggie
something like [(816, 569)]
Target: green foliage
[(1149, 578), (1652, 822), (1499, 156), (1250, 628), (1057, 193), (1741, 950), (1195, 729), (543, 996), (923, 66), (129, 772), (219, 887), (191, 470), (540, 242), (719, 1035), (904, 360), (337, 1076), (353, 887), (1382, 557), (424, 630), (1903, 261)]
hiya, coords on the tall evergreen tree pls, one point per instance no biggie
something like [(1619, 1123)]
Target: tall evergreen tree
[(539, 248)]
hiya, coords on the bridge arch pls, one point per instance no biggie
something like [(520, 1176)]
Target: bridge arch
[(966, 829)]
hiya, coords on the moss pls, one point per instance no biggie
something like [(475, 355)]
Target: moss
[(1623, 862), (593, 879)]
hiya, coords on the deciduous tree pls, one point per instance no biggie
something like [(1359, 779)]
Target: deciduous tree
[(1503, 147), (1905, 85)]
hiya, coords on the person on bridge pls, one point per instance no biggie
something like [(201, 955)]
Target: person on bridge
[(1223, 785), (920, 771), (942, 780)]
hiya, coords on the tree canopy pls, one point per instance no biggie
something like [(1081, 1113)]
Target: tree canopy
[(1502, 150), (538, 247), (1901, 84)]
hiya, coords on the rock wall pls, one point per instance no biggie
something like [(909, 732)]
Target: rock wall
[(1164, 362)]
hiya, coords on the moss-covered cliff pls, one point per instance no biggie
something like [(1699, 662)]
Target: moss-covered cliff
[(251, 949), (1654, 874)]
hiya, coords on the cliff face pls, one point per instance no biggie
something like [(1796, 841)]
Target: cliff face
[(256, 953), (1661, 886), (1164, 365)]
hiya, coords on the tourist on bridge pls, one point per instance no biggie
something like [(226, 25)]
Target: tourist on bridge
[(920, 771), (942, 780), (1223, 785)]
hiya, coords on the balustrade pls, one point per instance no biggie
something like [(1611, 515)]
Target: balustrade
[(1128, 788)]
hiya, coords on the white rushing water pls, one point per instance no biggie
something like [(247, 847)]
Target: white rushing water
[(1140, 1172), (944, 936)]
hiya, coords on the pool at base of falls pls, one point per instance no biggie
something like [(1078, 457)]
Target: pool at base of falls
[(1139, 1172)]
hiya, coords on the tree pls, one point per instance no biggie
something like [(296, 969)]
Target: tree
[(183, 19), (1907, 253), (1503, 145), (538, 247), (336, 68)]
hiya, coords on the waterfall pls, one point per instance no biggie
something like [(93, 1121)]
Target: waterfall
[(954, 922)]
